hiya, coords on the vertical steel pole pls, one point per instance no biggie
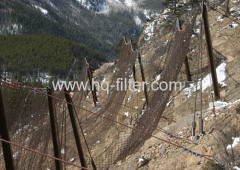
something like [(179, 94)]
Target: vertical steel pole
[(54, 128), (7, 150), (187, 69), (201, 66), (227, 11), (210, 50), (134, 73), (75, 129), (92, 87), (143, 76)]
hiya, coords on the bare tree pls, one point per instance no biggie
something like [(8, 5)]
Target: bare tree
[(225, 155), (227, 11)]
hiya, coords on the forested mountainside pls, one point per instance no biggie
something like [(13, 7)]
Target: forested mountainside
[(30, 55)]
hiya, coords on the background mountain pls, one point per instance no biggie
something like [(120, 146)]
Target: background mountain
[(99, 24)]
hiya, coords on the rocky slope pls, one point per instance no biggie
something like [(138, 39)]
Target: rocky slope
[(221, 139), (217, 141)]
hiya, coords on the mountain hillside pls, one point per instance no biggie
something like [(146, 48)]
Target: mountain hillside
[(81, 21), (32, 55)]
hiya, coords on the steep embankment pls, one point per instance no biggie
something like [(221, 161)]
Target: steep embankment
[(222, 131), (156, 154)]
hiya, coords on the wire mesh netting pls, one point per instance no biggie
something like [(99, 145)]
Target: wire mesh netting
[(177, 54), (110, 109), (35, 109)]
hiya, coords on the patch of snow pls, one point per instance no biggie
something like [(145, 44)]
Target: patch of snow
[(220, 18), (129, 3), (236, 141), (63, 151), (236, 167), (149, 31), (146, 13), (44, 11), (73, 159), (166, 11), (180, 133), (218, 104), (26, 126), (165, 16), (18, 131), (165, 43), (197, 31), (129, 98), (126, 113), (104, 9), (117, 1), (233, 8), (15, 154), (84, 3), (27, 139), (51, 4), (158, 77), (198, 23), (140, 160), (234, 25), (179, 5), (35, 128), (137, 20), (206, 82), (137, 90), (236, 101), (168, 104)]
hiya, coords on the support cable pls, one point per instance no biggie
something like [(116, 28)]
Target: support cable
[(85, 140), (201, 79), (40, 153), (234, 20), (140, 131)]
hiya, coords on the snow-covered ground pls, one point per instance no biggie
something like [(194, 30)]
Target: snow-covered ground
[(236, 141), (138, 21), (42, 10), (206, 82), (149, 30), (236, 167)]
